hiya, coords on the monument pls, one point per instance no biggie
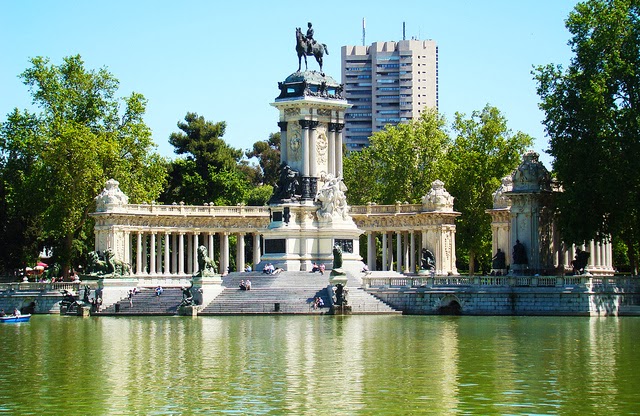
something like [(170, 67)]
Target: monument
[(309, 211)]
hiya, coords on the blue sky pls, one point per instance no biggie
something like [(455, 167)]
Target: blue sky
[(224, 60)]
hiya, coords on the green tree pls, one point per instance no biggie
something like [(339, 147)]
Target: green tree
[(268, 154), (66, 153), (592, 117), (400, 162), (192, 178), (484, 150)]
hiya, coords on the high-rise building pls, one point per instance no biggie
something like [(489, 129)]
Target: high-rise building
[(387, 83)]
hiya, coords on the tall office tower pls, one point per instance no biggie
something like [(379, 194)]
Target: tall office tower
[(387, 83)]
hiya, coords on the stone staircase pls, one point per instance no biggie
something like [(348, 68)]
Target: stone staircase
[(283, 293), (287, 293), (146, 302)]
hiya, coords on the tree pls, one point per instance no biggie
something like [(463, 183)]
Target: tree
[(592, 117), (65, 154), (484, 150), (400, 162), (268, 154), (212, 171), (206, 154)]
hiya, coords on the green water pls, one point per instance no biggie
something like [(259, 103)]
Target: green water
[(320, 365)]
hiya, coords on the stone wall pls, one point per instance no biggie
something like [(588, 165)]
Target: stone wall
[(511, 301)]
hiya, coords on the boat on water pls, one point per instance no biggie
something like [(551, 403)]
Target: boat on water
[(10, 319)]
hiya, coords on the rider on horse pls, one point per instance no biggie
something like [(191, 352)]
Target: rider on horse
[(310, 39)]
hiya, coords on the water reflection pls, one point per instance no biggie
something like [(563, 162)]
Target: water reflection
[(320, 365)]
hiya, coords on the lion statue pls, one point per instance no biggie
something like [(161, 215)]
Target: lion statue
[(206, 265)]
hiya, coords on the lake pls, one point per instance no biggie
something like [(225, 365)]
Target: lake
[(320, 365)]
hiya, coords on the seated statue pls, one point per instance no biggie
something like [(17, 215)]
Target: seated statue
[(519, 253), (499, 261), (337, 257), (187, 297), (427, 260), (206, 265)]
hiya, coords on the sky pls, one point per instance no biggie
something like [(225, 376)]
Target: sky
[(223, 60)]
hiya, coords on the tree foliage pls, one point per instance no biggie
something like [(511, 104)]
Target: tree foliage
[(592, 117), (59, 159), (211, 171), (484, 150), (400, 162), (268, 154)]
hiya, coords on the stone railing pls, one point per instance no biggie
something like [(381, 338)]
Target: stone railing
[(42, 286), (238, 211), (385, 209), (499, 281)]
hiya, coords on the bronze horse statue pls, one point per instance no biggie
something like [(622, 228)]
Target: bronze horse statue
[(317, 50)]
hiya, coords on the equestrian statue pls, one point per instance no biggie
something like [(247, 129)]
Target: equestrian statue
[(308, 46)]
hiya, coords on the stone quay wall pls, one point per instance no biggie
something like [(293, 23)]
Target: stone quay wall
[(43, 297), (587, 297)]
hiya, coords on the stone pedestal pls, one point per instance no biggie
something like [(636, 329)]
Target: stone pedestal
[(188, 310), (205, 289)]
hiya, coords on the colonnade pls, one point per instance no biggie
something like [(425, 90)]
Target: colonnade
[(175, 253)]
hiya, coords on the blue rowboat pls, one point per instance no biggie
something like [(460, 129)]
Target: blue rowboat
[(10, 319)]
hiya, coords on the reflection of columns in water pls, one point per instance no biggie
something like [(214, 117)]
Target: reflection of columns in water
[(449, 371)]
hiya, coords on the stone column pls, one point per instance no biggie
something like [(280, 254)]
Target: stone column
[(189, 242), (405, 252), (306, 180), (399, 251), (159, 255), (339, 127), (240, 252), (384, 251), (167, 264), (412, 266), (313, 158), (371, 250), (284, 145), (256, 250), (195, 252), (224, 246), (305, 124), (139, 253), (152, 253), (181, 253), (313, 149), (211, 246), (145, 257), (332, 150), (174, 253)]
